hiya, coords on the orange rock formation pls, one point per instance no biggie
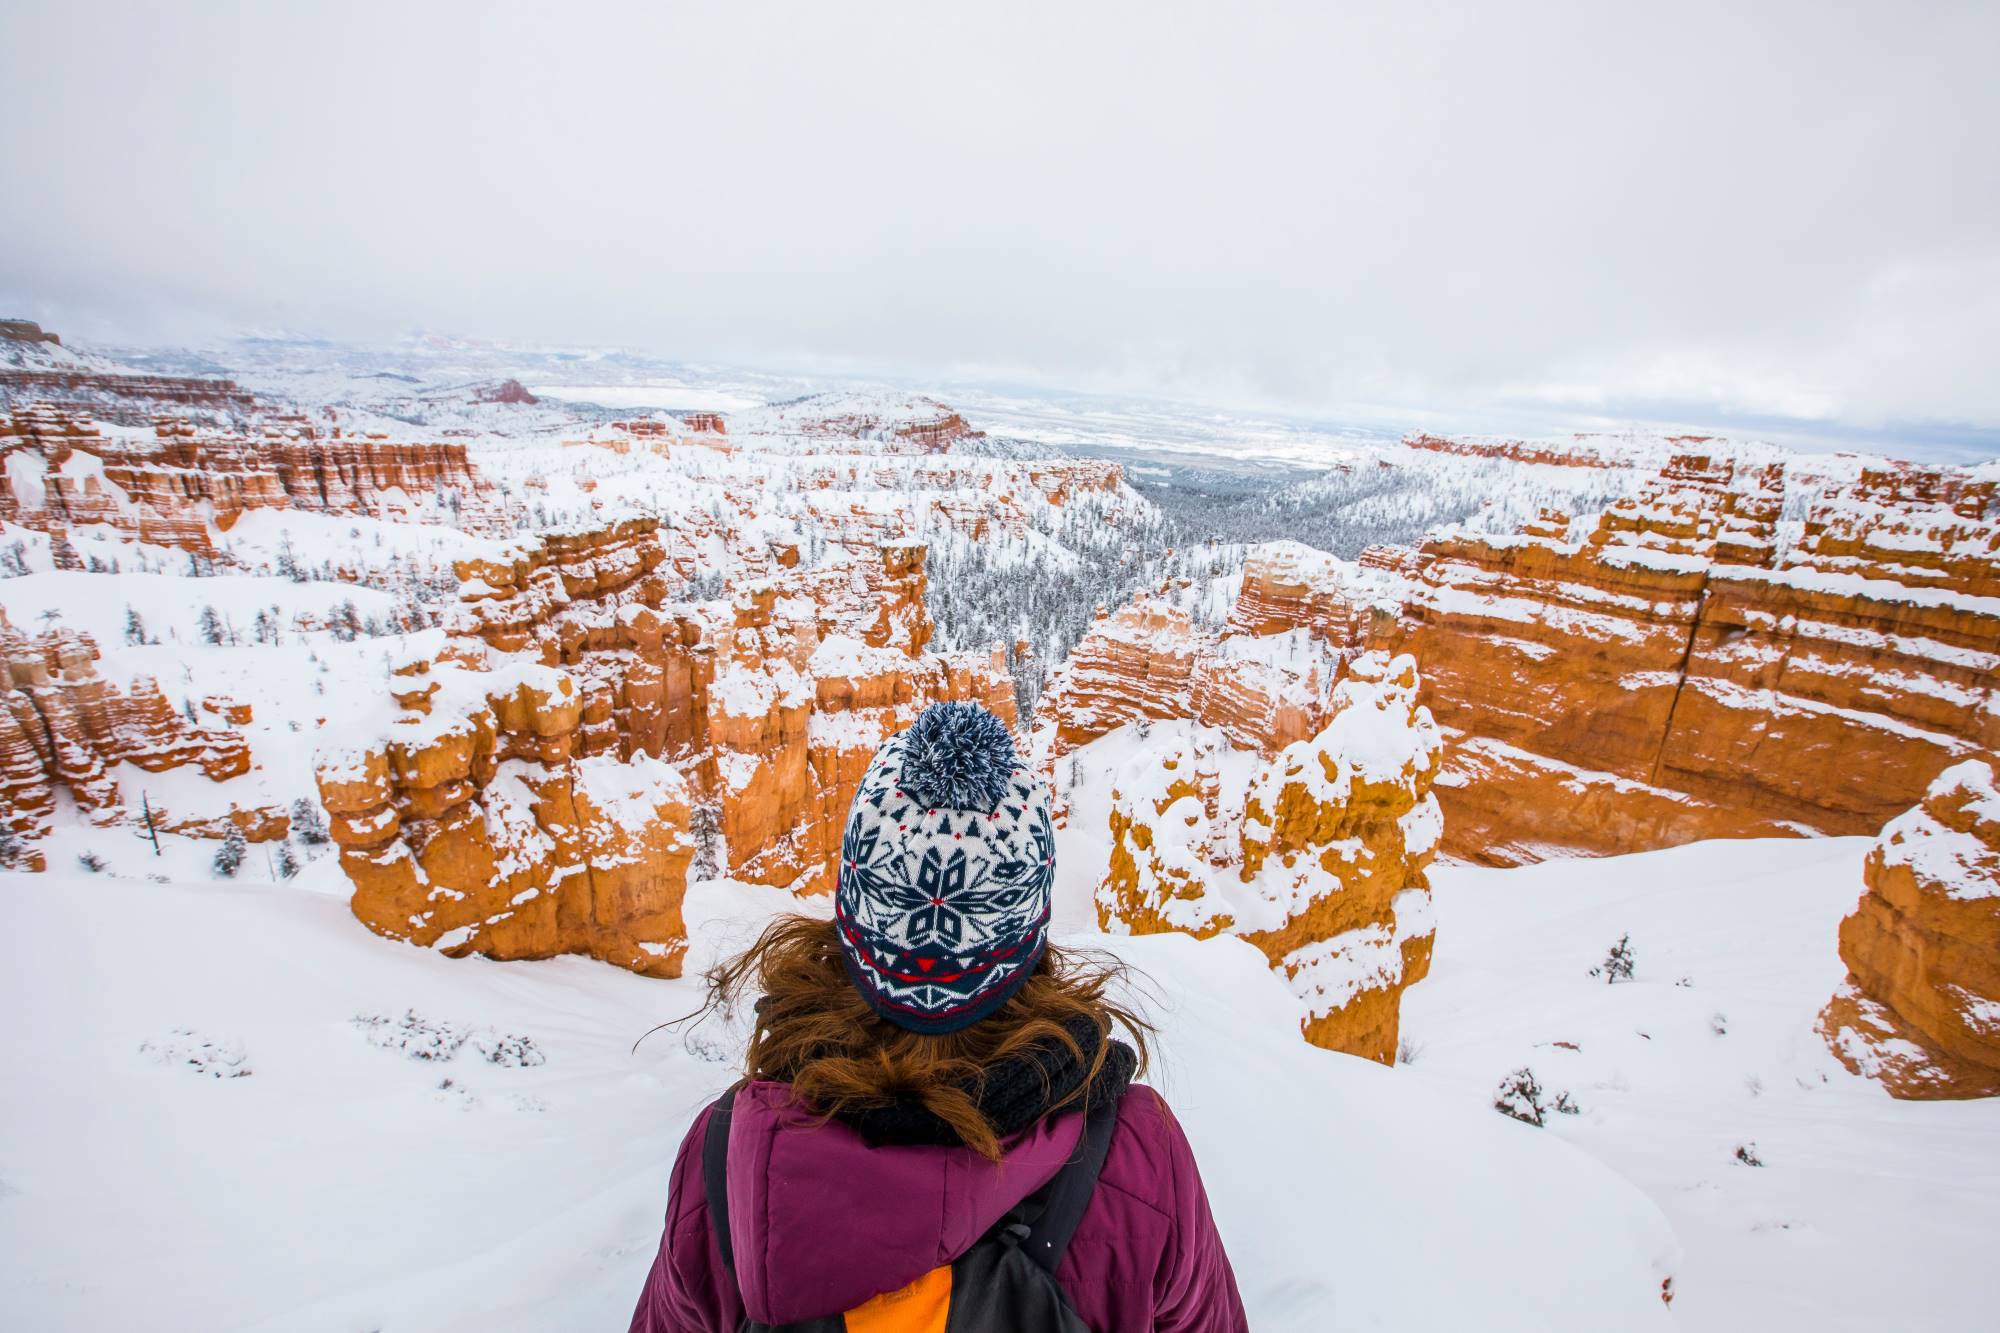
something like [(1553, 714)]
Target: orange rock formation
[(481, 824), (62, 725), (1677, 673), (1920, 1009), (1319, 862)]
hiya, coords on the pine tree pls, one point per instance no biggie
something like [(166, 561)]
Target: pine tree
[(211, 627), (288, 560), (229, 856), (1618, 965), (287, 863), (135, 628), (308, 823)]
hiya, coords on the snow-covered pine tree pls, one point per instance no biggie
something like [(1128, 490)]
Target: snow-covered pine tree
[(229, 856), (308, 823)]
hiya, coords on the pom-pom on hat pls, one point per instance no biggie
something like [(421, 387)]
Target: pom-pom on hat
[(946, 869)]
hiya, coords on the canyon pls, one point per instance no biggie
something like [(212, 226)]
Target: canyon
[(1686, 666), (611, 655)]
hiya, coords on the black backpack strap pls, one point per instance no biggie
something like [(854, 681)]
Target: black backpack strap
[(715, 1176), (1065, 1198)]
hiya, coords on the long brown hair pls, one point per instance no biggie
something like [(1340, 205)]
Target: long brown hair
[(813, 1030)]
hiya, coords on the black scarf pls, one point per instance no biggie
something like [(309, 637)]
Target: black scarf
[(1012, 1094)]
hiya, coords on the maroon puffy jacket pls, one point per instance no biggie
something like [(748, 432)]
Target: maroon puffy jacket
[(822, 1222)]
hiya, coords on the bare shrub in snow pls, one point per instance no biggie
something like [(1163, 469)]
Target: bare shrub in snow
[(12, 844), (1746, 1153), (91, 861), (229, 856), (202, 1055), (1618, 964), (1564, 1104), (1520, 1095), (1718, 1023), (1407, 1051)]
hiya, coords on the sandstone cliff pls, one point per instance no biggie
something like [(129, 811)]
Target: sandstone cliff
[(580, 736), (1921, 1006), (1318, 860)]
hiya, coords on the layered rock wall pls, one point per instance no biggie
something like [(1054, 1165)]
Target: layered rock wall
[(180, 483), (1687, 666), (1920, 1009), (1680, 676)]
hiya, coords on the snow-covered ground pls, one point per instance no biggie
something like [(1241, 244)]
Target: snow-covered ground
[(345, 1185), (1867, 1214)]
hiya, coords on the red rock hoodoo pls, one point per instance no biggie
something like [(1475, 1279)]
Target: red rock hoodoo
[(1920, 1009), (565, 752), (1319, 861)]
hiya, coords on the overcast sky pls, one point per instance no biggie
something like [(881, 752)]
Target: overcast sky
[(1672, 211)]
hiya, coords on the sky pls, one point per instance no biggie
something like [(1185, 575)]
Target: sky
[(1780, 214)]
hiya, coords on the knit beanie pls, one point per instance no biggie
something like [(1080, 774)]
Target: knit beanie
[(946, 868)]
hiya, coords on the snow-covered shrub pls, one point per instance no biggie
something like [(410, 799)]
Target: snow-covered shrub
[(1520, 1095), (286, 862), (414, 1035), (434, 1039), (11, 844), (91, 861), (507, 1049), (202, 1055), (1618, 964), (229, 856), (1746, 1153)]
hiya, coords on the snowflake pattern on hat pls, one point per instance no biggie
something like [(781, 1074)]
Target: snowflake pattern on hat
[(943, 910)]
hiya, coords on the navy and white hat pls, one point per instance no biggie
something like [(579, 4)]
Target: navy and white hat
[(945, 872)]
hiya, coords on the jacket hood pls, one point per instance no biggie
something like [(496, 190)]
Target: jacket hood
[(820, 1221)]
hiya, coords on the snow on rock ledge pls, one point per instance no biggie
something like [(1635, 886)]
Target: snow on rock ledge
[(1920, 1009), (1327, 877)]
